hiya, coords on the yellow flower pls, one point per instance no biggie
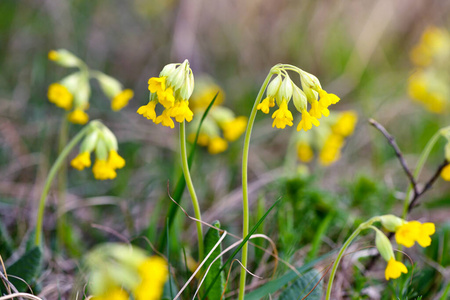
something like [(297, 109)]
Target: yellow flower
[(157, 84), (81, 161), (166, 98), (233, 129), (331, 151), (318, 110), (154, 273), (172, 89), (165, 119), (394, 269), (307, 121), (60, 96), (282, 116), (121, 100), (78, 116), (327, 99), (217, 145), (445, 173), (148, 111), (304, 152), (266, 104), (53, 55), (345, 124), (180, 111), (115, 161), (114, 294), (414, 231), (102, 170)]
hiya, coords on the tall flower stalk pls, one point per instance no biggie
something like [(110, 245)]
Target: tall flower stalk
[(280, 91)]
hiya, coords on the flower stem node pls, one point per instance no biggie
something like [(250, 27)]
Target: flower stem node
[(172, 89)]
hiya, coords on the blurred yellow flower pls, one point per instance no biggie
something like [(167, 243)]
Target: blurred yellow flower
[(78, 116), (435, 42), (346, 123), (116, 293), (153, 273), (121, 100), (304, 152), (307, 121), (60, 96), (394, 269), (83, 160), (234, 128), (217, 145), (445, 173), (331, 151)]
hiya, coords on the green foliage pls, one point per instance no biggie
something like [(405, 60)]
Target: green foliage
[(6, 247), (305, 286), (211, 239), (26, 268)]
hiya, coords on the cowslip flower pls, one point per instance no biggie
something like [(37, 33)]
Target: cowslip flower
[(122, 271), (434, 45), (172, 89), (407, 233), (394, 268), (282, 89), (114, 90), (103, 142)]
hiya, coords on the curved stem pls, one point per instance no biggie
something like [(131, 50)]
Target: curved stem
[(347, 243), (62, 181), (423, 158), (190, 186), (53, 171), (245, 152)]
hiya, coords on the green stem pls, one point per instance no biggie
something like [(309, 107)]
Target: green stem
[(423, 158), (245, 222), (347, 243), (53, 171), (190, 186), (62, 181)]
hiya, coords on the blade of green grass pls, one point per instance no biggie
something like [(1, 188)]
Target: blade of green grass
[(181, 183), (239, 248)]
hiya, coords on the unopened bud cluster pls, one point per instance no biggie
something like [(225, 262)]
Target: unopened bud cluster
[(72, 92)]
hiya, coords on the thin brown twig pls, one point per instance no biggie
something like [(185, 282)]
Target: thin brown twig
[(398, 153), (428, 185)]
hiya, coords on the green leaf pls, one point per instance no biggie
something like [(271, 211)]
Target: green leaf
[(6, 247), (26, 268), (304, 285), (274, 285), (211, 239)]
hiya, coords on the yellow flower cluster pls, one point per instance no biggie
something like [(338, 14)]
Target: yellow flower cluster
[(282, 89), (429, 84), (406, 234), (172, 89), (122, 272), (220, 125), (328, 139), (101, 140), (73, 91)]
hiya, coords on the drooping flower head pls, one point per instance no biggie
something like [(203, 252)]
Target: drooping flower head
[(72, 93), (282, 89), (103, 142), (172, 89), (118, 271)]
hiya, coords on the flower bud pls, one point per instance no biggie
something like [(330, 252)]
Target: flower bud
[(285, 91), (110, 86), (89, 142), (299, 99), (274, 86), (309, 80)]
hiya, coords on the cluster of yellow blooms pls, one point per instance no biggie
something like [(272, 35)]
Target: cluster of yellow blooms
[(429, 84), (218, 120), (328, 139), (172, 89), (406, 234), (73, 91), (282, 89), (101, 140), (122, 272)]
